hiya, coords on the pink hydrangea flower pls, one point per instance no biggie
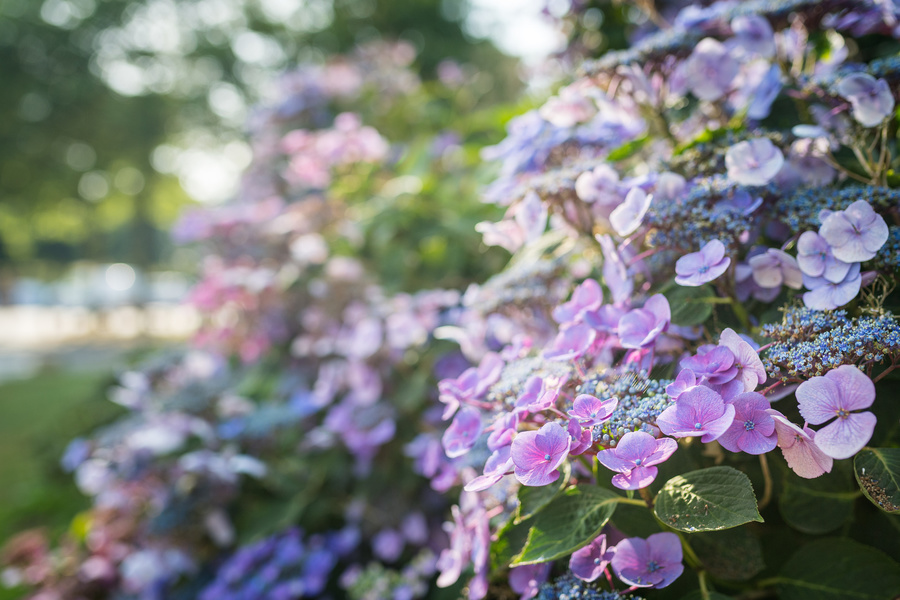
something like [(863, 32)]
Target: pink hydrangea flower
[(640, 327), (463, 432), (836, 395), (800, 450), (537, 454), (590, 410), (751, 371), (701, 267), (634, 458)]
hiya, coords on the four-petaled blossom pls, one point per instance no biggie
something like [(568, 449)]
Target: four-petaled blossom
[(571, 343), (640, 327), (713, 365), (471, 385), (800, 450), (627, 217), (836, 394), (634, 458), (537, 395), (828, 295), (856, 233), (753, 428), (753, 162), (698, 411), (463, 432), (654, 562), (815, 259), (600, 185), (776, 267), (710, 70), (685, 381), (537, 454), (871, 98), (582, 438), (590, 410), (701, 267), (587, 297), (589, 562), (751, 371)]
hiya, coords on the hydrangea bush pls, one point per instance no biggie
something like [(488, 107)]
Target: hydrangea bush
[(682, 385)]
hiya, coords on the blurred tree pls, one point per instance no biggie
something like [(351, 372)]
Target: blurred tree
[(106, 102)]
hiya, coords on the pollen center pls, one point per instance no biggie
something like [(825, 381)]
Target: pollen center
[(749, 425)]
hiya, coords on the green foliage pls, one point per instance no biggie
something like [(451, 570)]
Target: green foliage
[(877, 471), (533, 499), (707, 500), (572, 520), (838, 569), (820, 505), (690, 305)]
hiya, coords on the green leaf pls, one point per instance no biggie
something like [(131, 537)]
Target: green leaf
[(838, 569), (817, 506), (690, 305), (733, 554), (628, 149), (878, 474), (510, 541), (707, 500), (570, 521), (533, 499)]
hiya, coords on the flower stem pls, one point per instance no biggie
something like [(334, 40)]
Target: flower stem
[(704, 590), (767, 477)]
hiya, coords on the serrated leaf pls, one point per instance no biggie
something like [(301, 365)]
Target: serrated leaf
[(839, 569), (707, 500), (570, 521), (877, 471), (533, 499), (690, 305), (816, 506)]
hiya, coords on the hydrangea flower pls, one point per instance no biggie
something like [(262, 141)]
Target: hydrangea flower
[(815, 259), (537, 454), (698, 411), (601, 185), (856, 233), (800, 450), (590, 410), (837, 394), (587, 297), (634, 458), (753, 162), (871, 98), (829, 295), (472, 384), (683, 382), (712, 364), (710, 70), (751, 371), (701, 267), (571, 343), (627, 217), (531, 216), (527, 579), (463, 432), (753, 428), (588, 563), (536, 395), (754, 35), (498, 464), (582, 438), (775, 268), (640, 327), (654, 562)]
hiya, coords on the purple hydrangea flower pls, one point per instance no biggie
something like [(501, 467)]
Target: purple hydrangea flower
[(754, 35), (640, 327), (463, 432), (698, 411), (753, 428), (503, 430), (571, 343), (600, 185), (654, 562), (815, 258), (751, 371), (587, 297), (627, 217), (531, 216), (710, 70), (634, 458), (537, 454), (589, 562), (701, 267), (828, 295), (774, 268), (590, 410), (753, 162), (856, 233), (527, 579), (536, 395), (582, 438), (471, 385), (836, 394), (871, 98), (497, 465), (800, 450), (714, 365), (683, 382)]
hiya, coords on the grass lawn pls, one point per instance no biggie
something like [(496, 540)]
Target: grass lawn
[(38, 418)]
